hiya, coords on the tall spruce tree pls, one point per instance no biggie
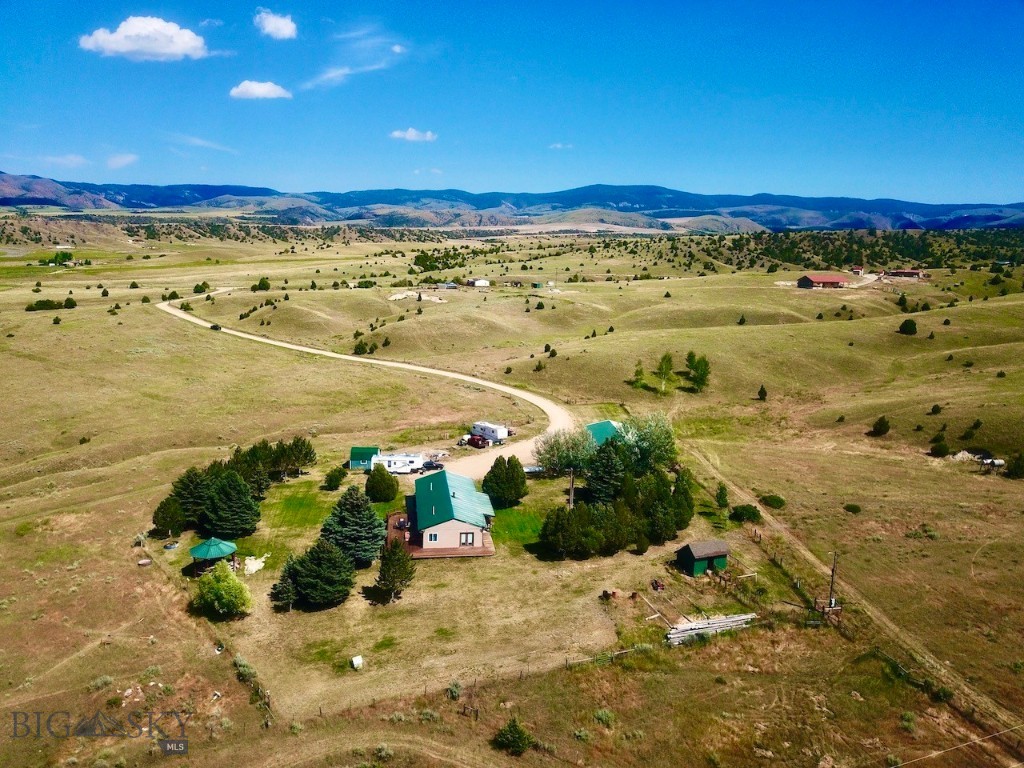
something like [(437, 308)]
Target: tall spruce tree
[(231, 512), (192, 490), (396, 570), (605, 473), (169, 517), (283, 594), (354, 528), (505, 482), (322, 575), (381, 485)]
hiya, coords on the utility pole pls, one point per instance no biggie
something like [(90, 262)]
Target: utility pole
[(572, 488), (832, 583)]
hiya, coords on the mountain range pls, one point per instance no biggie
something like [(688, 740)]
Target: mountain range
[(644, 207)]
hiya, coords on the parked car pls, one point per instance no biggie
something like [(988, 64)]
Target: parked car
[(431, 466), (477, 441), (214, 327), (533, 469)]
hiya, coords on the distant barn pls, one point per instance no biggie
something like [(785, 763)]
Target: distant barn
[(822, 281)]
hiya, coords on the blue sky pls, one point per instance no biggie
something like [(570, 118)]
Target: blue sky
[(917, 100)]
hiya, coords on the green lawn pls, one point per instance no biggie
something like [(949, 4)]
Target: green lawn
[(292, 515)]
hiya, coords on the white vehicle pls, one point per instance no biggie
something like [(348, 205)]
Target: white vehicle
[(399, 463), (494, 432)]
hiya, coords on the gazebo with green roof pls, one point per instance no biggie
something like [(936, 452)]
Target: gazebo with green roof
[(212, 549)]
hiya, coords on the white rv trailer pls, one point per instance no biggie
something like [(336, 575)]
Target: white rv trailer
[(494, 432), (399, 463)]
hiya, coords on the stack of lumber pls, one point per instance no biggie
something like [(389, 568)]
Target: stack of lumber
[(688, 630)]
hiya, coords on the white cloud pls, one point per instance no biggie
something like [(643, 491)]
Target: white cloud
[(411, 134), (559, 145), (274, 25), (146, 38), (335, 75), (211, 23), (65, 161), (122, 160), (195, 141), (435, 171), (253, 89), (398, 48)]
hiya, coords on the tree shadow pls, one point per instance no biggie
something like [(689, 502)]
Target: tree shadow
[(542, 552), (374, 595)]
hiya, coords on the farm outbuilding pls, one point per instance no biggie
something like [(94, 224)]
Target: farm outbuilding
[(822, 281), (698, 557), (362, 458), (603, 431)]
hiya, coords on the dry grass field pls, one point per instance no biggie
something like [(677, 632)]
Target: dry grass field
[(106, 408)]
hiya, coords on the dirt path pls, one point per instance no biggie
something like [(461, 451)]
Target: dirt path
[(475, 465), (969, 697)]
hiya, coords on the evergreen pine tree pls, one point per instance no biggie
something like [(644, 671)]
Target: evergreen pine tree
[(169, 517), (354, 528), (517, 478), (762, 394), (605, 473), (682, 500), (322, 575), (722, 496), (396, 570), (283, 594), (380, 485), (192, 490), (231, 513)]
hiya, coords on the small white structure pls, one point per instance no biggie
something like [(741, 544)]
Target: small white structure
[(357, 662), (398, 463), (493, 432), (478, 282)]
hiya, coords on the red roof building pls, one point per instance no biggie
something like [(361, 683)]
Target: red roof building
[(822, 281)]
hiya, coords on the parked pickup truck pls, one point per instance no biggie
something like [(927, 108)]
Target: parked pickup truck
[(477, 441)]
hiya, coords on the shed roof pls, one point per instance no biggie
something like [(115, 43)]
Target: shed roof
[(701, 550), (602, 431), (362, 453), (827, 278), (442, 496)]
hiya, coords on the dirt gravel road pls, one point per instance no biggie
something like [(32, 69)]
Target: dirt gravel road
[(475, 465)]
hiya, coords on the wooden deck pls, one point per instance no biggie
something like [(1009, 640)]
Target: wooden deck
[(415, 548)]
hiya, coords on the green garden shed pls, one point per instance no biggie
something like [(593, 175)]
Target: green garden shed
[(362, 458), (698, 557)]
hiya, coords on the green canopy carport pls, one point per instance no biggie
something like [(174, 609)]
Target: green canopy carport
[(212, 549)]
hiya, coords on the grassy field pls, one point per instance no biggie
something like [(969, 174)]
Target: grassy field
[(114, 402)]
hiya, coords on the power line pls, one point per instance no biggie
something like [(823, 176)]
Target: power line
[(959, 746)]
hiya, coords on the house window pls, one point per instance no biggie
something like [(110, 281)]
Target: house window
[(431, 537), (465, 539)]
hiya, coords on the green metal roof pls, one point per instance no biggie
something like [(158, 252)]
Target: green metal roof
[(362, 454), (442, 496), (602, 431), (212, 549)]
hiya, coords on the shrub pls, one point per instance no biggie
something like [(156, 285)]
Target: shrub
[(853, 509), (333, 478), (772, 501), (745, 513), (880, 427), (221, 593), (244, 670), (100, 683), (1001, 375), (605, 717), (454, 690), (513, 738), (722, 496), (1015, 467), (908, 327)]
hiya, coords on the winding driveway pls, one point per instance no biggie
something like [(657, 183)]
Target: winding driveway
[(474, 465)]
